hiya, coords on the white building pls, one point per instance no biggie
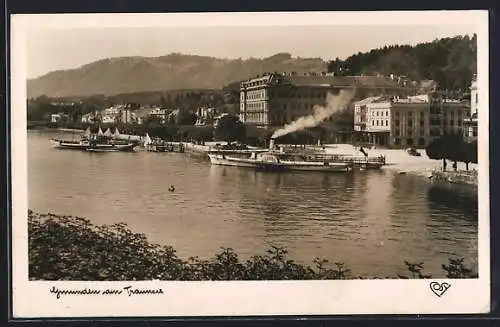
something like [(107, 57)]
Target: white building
[(54, 118), (205, 116), (470, 124), (406, 122), (473, 98), (108, 119)]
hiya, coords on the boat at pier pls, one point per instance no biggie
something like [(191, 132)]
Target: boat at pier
[(95, 143), (282, 159), (278, 161), (71, 144)]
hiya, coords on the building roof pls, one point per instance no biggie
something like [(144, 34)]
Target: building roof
[(322, 79), (367, 101), (142, 112)]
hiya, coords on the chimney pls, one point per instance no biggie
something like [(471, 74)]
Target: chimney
[(271, 144)]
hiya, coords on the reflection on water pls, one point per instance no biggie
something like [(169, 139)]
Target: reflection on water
[(372, 221)]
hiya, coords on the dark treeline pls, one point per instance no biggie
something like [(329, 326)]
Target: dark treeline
[(451, 62), (72, 248)]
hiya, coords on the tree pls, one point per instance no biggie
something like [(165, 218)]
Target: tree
[(185, 117), (454, 148), (469, 153), (436, 150), (230, 129)]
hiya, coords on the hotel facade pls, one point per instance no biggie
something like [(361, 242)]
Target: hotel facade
[(276, 99), (413, 121)]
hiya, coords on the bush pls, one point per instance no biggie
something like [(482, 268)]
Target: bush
[(71, 248)]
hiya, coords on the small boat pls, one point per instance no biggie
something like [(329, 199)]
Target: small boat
[(157, 145), (71, 145)]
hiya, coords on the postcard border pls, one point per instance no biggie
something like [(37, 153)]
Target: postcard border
[(489, 158)]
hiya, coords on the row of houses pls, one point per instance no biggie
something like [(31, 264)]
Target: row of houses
[(396, 113), (124, 114)]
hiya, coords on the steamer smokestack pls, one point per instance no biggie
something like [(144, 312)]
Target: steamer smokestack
[(271, 144)]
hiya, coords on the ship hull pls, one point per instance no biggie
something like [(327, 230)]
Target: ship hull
[(223, 160), (111, 148), (69, 145)]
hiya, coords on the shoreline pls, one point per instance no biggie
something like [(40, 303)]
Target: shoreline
[(398, 161)]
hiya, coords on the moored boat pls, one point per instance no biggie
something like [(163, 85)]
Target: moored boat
[(273, 161), (71, 145), (277, 159)]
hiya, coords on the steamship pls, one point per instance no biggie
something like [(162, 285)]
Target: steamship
[(95, 143), (277, 159)]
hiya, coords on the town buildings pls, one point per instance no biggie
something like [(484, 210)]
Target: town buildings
[(412, 121), (470, 123), (276, 99), (59, 117), (205, 116)]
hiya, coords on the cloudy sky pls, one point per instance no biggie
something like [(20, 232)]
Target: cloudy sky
[(49, 49)]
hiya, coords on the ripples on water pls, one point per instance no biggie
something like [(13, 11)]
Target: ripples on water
[(372, 221)]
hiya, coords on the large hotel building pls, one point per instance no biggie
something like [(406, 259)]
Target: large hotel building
[(276, 99), (412, 121)]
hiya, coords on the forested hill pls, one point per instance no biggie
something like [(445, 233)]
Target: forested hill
[(451, 62), (171, 72)]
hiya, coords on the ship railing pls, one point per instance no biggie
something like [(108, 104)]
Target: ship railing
[(348, 158)]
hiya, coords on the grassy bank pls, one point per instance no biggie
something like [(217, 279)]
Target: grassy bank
[(72, 248)]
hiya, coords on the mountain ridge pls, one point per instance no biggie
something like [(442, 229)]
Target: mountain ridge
[(110, 76)]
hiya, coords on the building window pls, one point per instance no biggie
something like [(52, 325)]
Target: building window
[(476, 98), (386, 123), (373, 123), (377, 113), (410, 132), (396, 113), (410, 122), (397, 141), (377, 122), (409, 141), (421, 141), (459, 122), (451, 122)]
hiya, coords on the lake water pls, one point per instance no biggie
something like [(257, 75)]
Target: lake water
[(371, 221)]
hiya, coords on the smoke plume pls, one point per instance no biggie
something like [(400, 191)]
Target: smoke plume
[(334, 103)]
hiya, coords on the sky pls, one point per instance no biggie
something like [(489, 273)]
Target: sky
[(49, 49)]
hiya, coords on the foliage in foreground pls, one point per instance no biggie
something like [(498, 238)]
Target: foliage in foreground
[(71, 248)]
